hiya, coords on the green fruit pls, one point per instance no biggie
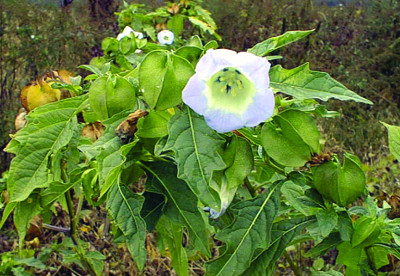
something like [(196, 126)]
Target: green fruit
[(111, 95), (340, 184)]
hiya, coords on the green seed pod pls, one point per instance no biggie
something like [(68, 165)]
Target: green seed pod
[(111, 95), (340, 184)]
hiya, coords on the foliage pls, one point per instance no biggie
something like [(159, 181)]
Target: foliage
[(159, 165)]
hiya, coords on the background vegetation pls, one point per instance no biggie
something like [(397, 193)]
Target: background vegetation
[(357, 43)]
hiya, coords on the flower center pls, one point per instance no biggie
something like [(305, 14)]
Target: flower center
[(230, 90)]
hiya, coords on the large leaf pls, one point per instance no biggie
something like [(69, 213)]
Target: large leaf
[(271, 44), (162, 77), (197, 149), (283, 232), (124, 206), (292, 139), (50, 128), (302, 83), (181, 206), (250, 232), (394, 139)]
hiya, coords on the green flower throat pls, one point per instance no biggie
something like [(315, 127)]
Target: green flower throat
[(231, 90)]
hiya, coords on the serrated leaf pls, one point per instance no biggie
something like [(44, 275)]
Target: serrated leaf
[(302, 83), (124, 206), (271, 44), (283, 232), (394, 139), (196, 147), (251, 231), (50, 128), (181, 206)]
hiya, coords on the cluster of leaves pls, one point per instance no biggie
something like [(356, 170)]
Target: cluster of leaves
[(184, 18), (272, 178)]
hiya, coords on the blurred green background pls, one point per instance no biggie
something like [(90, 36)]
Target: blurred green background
[(356, 42)]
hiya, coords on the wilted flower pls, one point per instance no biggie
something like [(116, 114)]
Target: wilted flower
[(230, 89), (127, 31), (166, 37)]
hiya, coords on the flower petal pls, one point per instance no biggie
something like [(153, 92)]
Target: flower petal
[(260, 109), (213, 61), (222, 121), (193, 94)]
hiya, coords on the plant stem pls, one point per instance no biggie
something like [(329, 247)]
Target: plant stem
[(250, 187), (293, 266), (73, 217)]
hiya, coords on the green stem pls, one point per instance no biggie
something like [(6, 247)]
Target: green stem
[(250, 187), (74, 225), (293, 266)]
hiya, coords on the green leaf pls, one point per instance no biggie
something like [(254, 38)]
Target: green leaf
[(327, 220), (302, 83), (154, 125), (162, 77), (197, 149), (181, 205), (50, 128), (394, 139), (111, 95), (283, 232), (292, 193), (328, 243), (172, 234), (293, 142), (55, 190), (7, 211), (271, 44), (175, 24), (152, 209), (351, 258), (239, 160), (250, 231), (23, 214), (342, 185), (126, 44), (124, 206), (366, 231)]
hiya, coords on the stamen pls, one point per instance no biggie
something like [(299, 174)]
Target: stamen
[(228, 88), (233, 92), (225, 69), (218, 80), (239, 84), (237, 71)]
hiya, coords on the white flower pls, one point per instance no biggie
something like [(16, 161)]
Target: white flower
[(166, 37), (32, 37), (127, 32), (231, 90)]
